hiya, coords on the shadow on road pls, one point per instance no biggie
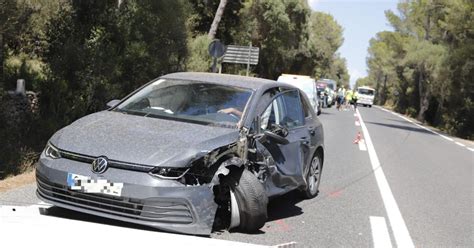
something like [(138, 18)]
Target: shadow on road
[(284, 206), (326, 113), (401, 121), (407, 128)]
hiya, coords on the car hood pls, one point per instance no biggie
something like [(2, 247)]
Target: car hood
[(141, 140)]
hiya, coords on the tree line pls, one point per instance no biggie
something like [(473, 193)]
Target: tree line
[(425, 66), (79, 54)]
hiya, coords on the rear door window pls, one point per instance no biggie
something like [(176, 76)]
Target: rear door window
[(366, 92)]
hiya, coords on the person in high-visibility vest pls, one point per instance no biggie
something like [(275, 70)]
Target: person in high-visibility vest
[(348, 98), (355, 97)]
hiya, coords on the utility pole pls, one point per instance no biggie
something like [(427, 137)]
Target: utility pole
[(217, 19)]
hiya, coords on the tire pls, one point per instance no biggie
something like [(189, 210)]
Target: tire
[(370, 106), (252, 201), (312, 187)]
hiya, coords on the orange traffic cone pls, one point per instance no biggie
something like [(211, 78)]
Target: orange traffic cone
[(357, 139)]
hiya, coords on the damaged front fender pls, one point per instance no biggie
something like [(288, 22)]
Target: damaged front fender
[(223, 169)]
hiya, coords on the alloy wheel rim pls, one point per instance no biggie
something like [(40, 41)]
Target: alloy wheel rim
[(314, 175)]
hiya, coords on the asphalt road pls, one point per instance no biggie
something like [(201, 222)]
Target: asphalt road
[(403, 186)]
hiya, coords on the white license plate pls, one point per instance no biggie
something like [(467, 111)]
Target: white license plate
[(88, 185)]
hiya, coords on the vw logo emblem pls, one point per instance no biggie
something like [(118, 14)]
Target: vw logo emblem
[(99, 165)]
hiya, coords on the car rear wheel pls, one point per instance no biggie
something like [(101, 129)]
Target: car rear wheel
[(313, 177)]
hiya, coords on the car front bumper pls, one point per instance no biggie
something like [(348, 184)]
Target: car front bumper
[(163, 204)]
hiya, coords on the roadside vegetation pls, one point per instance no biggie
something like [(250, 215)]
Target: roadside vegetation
[(425, 67), (77, 55)]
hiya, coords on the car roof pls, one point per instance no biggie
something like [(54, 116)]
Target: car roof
[(295, 79), (294, 76), (225, 79)]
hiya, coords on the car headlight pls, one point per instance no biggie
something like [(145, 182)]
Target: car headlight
[(169, 173), (51, 151)]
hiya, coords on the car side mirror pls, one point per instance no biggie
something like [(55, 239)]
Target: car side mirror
[(279, 130), (113, 103), (273, 137)]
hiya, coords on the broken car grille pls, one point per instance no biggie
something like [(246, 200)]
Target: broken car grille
[(161, 210)]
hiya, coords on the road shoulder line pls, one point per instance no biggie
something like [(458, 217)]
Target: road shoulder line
[(399, 228), (380, 235), (460, 144)]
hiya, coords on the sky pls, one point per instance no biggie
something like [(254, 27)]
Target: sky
[(361, 20)]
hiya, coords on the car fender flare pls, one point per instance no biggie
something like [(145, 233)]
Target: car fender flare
[(224, 169)]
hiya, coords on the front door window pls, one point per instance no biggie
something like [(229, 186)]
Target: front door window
[(285, 110)]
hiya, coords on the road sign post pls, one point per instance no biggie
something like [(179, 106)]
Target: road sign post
[(216, 49), (248, 61)]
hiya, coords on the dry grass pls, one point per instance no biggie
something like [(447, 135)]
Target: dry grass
[(17, 181), (23, 163)]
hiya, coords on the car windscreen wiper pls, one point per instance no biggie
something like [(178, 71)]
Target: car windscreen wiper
[(130, 112)]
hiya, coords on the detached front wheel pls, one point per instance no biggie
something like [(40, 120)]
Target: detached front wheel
[(248, 203)]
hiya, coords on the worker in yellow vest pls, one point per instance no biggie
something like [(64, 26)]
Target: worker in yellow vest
[(355, 97), (348, 99)]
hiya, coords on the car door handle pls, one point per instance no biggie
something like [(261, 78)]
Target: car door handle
[(304, 140)]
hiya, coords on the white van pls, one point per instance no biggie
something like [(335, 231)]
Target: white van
[(306, 84), (365, 96)]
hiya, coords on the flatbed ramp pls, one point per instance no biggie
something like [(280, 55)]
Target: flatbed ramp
[(31, 226)]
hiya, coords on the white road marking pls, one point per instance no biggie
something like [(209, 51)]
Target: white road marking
[(444, 137), (470, 149), (459, 144), (44, 204), (362, 145), (400, 230), (382, 108), (380, 234)]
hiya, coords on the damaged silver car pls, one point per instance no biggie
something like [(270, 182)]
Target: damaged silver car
[(187, 152)]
